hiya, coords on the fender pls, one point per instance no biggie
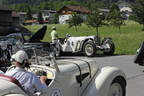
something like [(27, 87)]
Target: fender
[(15, 95), (82, 43), (103, 79), (106, 39)]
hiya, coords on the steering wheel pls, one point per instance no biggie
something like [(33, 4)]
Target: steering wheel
[(41, 73)]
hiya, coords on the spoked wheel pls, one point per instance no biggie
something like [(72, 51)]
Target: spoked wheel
[(109, 48), (117, 88), (89, 49)]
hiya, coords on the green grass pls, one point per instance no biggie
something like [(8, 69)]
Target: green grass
[(126, 42)]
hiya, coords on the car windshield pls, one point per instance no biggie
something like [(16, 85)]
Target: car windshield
[(13, 38), (19, 36), (3, 38), (10, 40)]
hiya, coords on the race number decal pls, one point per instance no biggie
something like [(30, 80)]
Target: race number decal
[(56, 92)]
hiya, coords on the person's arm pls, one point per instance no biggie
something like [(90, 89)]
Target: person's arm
[(43, 79), (40, 84), (56, 34)]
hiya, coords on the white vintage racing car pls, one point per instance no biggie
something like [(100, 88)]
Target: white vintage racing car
[(89, 45), (70, 77)]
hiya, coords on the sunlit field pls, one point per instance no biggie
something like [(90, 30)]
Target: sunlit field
[(125, 42)]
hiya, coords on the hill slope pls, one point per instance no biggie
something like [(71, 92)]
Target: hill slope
[(38, 1), (21, 5)]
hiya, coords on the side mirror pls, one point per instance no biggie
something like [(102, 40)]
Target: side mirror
[(139, 58)]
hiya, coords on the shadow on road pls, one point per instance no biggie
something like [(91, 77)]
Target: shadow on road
[(74, 55)]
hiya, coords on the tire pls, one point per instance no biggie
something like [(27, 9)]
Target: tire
[(117, 87), (140, 55), (89, 48), (110, 50)]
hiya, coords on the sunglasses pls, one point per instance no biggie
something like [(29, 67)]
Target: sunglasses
[(12, 60)]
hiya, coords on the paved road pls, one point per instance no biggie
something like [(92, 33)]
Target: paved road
[(134, 73)]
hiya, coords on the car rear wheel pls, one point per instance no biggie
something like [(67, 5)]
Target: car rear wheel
[(109, 48), (117, 88), (89, 49)]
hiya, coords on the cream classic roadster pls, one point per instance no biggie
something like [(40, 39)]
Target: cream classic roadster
[(69, 77)]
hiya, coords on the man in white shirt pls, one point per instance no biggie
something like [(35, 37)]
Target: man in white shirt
[(29, 81)]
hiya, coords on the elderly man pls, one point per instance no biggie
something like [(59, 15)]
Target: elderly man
[(29, 81), (54, 36)]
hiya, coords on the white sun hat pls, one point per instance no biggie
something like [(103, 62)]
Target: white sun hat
[(20, 56), (54, 28)]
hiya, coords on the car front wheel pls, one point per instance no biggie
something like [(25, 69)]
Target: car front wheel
[(89, 49), (117, 88)]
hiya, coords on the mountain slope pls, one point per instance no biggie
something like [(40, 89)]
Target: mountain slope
[(38, 1), (35, 5)]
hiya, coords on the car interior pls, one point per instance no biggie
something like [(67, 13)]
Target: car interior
[(43, 72)]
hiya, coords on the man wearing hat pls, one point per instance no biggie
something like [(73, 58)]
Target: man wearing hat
[(29, 81), (54, 36)]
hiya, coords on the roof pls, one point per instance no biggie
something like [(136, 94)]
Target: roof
[(30, 21), (21, 13), (14, 14), (104, 10), (76, 9), (48, 11)]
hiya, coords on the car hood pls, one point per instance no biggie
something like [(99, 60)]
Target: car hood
[(80, 38), (38, 35), (13, 29)]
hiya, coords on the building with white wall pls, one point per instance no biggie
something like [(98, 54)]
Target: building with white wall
[(65, 13)]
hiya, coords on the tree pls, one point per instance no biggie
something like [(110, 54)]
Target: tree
[(28, 15), (45, 5), (96, 20), (40, 18), (75, 21), (138, 12), (115, 17), (56, 19)]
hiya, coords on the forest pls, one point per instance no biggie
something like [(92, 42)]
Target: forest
[(36, 5)]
